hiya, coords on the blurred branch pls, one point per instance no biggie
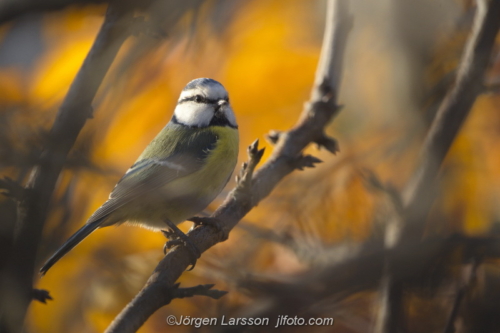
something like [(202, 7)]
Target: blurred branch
[(419, 194), (11, 188), (451, 115), (492, 88), (13, 9), (286, 157), (363, 272), (470, 279), (72, 115), (311, 252), (373, 182)]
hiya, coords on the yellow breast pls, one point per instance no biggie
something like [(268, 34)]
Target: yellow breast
[(221, 161), (203, 186)]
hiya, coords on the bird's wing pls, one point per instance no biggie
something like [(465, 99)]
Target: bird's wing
[(150, 174)]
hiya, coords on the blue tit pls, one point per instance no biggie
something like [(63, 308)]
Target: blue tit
[(179, 173)]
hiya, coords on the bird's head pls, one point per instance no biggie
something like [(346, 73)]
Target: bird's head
[(204, 102)]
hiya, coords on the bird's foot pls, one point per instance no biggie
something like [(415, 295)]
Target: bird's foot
[(213, 222), (173, 240), (176, 237)]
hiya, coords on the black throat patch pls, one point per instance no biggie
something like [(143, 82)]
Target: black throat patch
[(220, 120)]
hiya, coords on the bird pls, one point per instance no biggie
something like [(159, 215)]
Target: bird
[(179, 173)]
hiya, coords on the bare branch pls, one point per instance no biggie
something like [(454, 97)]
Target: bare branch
[(363, 272), (372, 181), (470, 279), (13, 9), (451, 115), (70, 119), (244, 188), (12, 189), (201, 290), (419, 194), (289, 145)]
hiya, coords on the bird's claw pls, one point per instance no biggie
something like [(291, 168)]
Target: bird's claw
[(170, 244), (176, 237), (169, 234)]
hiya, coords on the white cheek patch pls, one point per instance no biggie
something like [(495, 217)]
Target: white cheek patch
[(194, 114), (228, 112)]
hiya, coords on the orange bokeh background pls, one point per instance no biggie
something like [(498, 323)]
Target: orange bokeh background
[(266, 57)]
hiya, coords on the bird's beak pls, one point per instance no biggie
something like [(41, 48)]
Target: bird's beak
[(220, 105)]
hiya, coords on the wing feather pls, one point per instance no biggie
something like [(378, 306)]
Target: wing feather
[(150, 174)]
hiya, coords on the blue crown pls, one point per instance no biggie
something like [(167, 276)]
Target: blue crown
[(200, 82)]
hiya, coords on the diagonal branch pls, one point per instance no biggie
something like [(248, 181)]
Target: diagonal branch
[(455, 108), (285, 158), (469, 278), (419, 194), (14, 9), (72, 115)]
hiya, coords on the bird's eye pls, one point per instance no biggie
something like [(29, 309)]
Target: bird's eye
[(198, 98), (227, 99)]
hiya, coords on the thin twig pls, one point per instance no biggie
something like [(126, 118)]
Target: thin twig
[(41, 295), (201, 290), (466, 286), (289, 145)]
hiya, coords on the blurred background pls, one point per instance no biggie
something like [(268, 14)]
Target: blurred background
[(400, 61)]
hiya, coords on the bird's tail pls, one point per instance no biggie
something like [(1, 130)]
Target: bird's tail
[(73, 241)]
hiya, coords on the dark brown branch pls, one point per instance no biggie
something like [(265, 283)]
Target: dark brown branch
[(492, 88), (372, 181), (201, 290), (73, 113), (419, 194), (462, 291), (12, 189), (289, 145), (364, 271), (13, 9)]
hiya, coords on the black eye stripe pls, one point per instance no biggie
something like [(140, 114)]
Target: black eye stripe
[(200, 99)]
